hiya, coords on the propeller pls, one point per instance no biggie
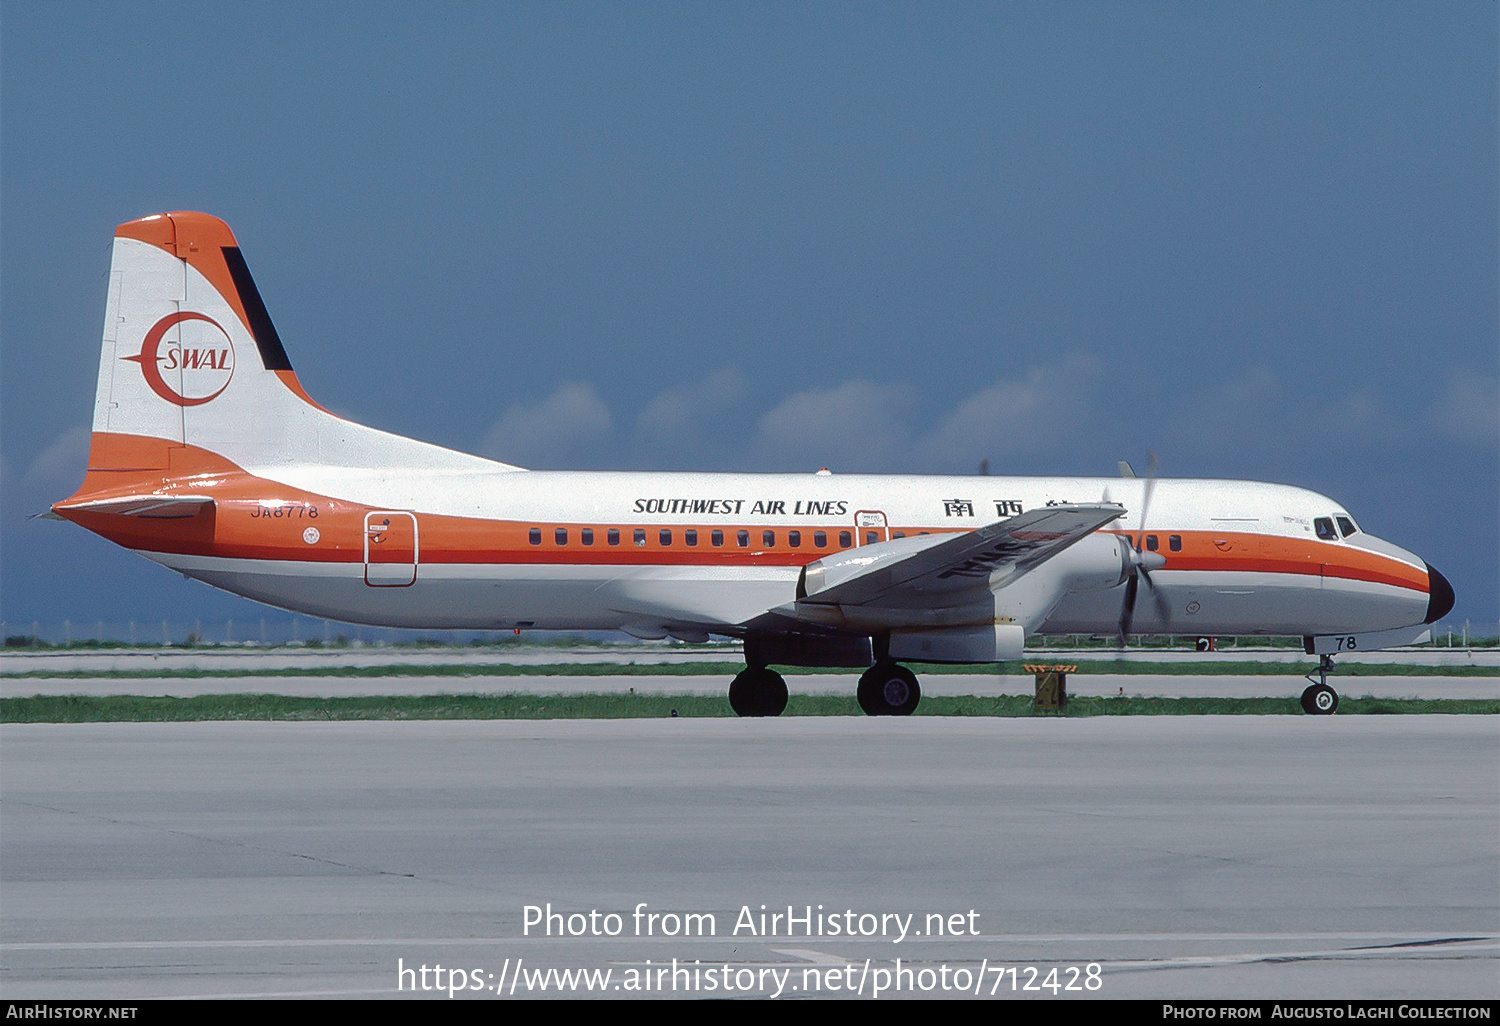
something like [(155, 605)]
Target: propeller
[(1142, 562)]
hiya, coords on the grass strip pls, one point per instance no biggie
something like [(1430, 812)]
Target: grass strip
[(282, 708), (1017, 669)]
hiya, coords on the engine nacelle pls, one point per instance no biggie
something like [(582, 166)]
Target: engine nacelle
[(960, 624), (1095, 563)]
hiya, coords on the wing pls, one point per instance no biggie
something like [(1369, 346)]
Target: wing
[(923, 571)]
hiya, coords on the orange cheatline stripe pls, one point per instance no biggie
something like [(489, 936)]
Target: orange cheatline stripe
[(1261, 553)]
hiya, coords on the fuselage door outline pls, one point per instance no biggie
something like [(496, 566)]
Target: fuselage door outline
[(391, 552), (870, 527)]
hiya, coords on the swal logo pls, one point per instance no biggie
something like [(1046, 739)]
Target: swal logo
[(190, 367)]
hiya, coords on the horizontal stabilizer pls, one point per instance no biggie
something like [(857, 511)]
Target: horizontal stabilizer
[(157, 507)]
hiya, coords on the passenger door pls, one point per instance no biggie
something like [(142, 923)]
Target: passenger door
[(870, 527), (390, 549)]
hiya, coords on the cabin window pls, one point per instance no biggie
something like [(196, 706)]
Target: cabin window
[(664, 537), (691, 537), (820, 539), (560, 536), (845, 539), (586, 536), (743, 539), (613, 537), (871, 537), (1174, 542), (536, 536), (1324, 527), (794, 539), (1150, 543), (898, 534), (640, 537), (717, 538), (768, 539), (1347, 526)]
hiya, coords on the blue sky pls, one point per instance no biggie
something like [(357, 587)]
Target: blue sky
[(1259, 240)]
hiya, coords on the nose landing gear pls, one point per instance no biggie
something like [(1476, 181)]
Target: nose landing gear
[(1320, 699)]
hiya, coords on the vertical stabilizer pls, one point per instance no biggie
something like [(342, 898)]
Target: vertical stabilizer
[(190, 360)]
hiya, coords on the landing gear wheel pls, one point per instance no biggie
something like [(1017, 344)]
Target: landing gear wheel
[(887, 689), (1320, 700), (757, 691)]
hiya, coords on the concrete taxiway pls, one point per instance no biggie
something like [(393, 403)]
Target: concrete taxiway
[(1186, 857)]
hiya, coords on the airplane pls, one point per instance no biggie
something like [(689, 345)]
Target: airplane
[(208, 457)]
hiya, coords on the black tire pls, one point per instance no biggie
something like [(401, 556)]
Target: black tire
[(887, 689), (757, 691), (1320, 700)]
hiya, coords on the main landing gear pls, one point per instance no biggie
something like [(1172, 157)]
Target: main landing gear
[(1320, 699), (885, 689), (757, 691)]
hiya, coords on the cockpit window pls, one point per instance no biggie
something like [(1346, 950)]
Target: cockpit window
[(1346, 526), (1324, 527)]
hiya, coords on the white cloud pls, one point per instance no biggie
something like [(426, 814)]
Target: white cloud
[(857, 425), (695, 408), (1051, 408), (51, 475), (1077, 407), (1277, 415), (1264, 415), (557, 432), (1468, 410), (61, 465), (1230, 415)]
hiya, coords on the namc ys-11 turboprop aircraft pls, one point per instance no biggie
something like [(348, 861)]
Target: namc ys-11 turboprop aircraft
[(208, 457)]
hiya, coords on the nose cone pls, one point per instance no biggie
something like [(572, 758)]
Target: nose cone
[(1439, 596)]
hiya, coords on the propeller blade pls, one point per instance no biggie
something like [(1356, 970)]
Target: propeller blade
[(1152, 466), (1127, 610), (1158, 600), (1139, 560)]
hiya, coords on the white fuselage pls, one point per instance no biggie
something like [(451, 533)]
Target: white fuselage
[(1248, 562)]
